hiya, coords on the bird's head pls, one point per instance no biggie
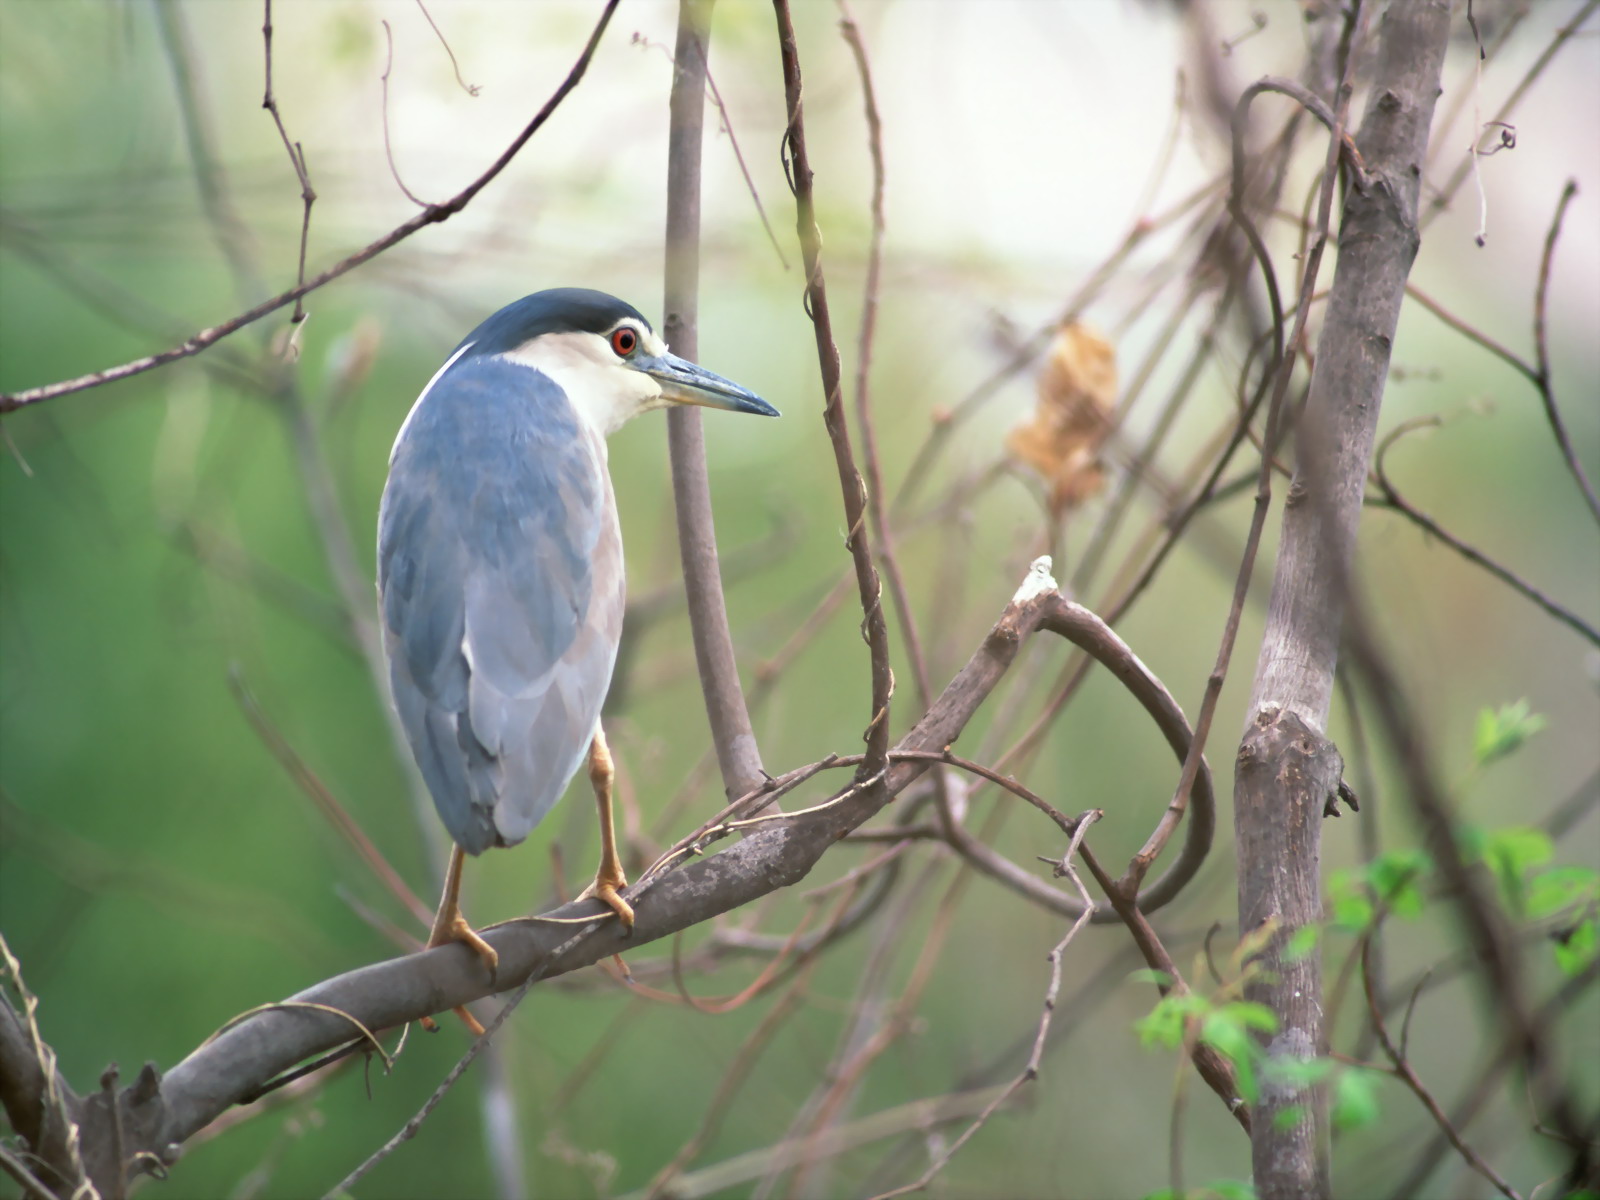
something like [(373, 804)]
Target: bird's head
[(604, 355)]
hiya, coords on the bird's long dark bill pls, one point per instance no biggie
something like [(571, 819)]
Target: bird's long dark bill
[(683, 382)]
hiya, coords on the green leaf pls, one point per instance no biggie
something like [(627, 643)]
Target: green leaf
[(1348, 899), (1577, 949), (1150, 975), (1352, 913), (1218, 1189), (1396, 877), (1168, 1020), (1227, 1030), (1561, 887), (1355, 1099), (1250, 1015), (1345, 879), (1512, 853), (1227, 1189), (1500, 733), (1302, 943)]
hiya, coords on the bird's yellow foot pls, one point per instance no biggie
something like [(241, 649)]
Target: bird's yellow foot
[(604, 889), (606, 892), (456, 929)]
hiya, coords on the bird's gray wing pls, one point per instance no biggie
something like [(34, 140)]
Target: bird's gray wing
[(500, 584)]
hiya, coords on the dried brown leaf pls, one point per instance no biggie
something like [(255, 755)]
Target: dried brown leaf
[(1061, 440)]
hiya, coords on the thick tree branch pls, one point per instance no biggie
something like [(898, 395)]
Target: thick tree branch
[(731, 732), (1288, 770), (776, 851)]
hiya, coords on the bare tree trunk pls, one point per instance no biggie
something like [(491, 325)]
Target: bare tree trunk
[(731, 732), (1287, 769)]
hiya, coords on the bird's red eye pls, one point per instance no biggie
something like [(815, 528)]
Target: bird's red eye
[(624, 341)]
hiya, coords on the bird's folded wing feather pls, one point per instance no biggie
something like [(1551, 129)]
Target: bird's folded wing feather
[(491, 526)]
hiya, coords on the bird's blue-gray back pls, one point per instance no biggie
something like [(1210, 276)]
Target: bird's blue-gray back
[(495, 525)]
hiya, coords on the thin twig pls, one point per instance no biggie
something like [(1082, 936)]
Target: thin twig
[(726, 123), (1392, 499), (327, 803), (1486, 1086), (914, 1117), (1139, 468), (1169, 145), (18, 1170), (738, 156), (1506, 24), (1498, 960), (1403, 1071), (1030, 1072), (222, 219), (1473, 334), (388, 148), (853, 490), (877, 1024), (297, 158), (433, 215), (367, 1035), (770, 973), (1442, 198), (876, 495), (1478, 127), (268, 583), (876, 498), (1542, 352), (733, 1079), (471, 89)]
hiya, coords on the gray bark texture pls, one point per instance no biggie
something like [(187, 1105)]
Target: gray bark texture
[(1286, 768), (731, 731)]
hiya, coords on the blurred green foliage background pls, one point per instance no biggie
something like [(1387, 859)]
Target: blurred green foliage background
[(160, 872)]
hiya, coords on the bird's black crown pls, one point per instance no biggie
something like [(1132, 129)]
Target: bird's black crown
[(554, 310)]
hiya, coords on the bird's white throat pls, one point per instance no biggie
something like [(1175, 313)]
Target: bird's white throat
[(606, 392)]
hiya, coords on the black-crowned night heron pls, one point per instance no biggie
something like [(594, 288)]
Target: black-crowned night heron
[(500, 573)]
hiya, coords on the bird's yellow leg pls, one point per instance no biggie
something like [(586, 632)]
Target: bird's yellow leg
[(448, 923), (609, 877)]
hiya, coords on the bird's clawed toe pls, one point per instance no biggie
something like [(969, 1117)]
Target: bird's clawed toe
[(459, 931), (605, 891)]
